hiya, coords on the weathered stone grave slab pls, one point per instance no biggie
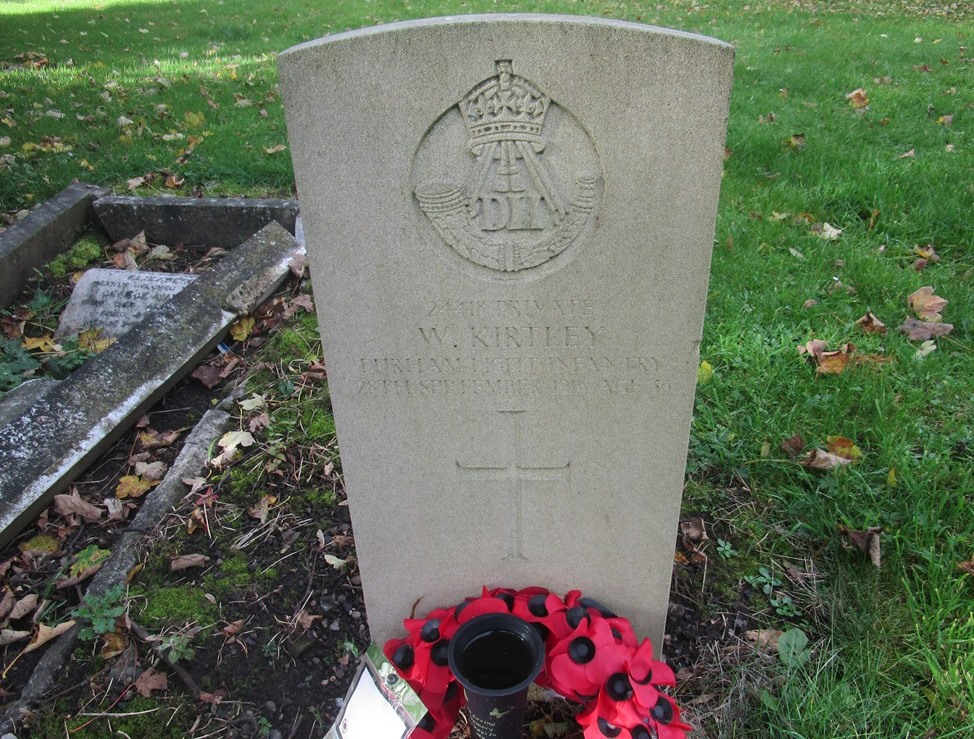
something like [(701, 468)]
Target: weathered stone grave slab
[(52, 441), (223, 222), (42, 235), (509, 223), (114, 300)]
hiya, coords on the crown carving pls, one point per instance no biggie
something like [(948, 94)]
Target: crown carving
[(505, 107)]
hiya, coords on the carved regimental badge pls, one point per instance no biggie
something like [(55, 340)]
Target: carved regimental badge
[(508, 179)]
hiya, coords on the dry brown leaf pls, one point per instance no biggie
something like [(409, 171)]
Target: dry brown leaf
[(763, 638), (927, 253), (813, 349), (232, 629), (871, 325), (116, 509), (924, 330), (694, 529), (151, 680), (66, 505), (793, 446), (844, 447), (132, 486), (46, 633), (185, 561), (819, 459), (866, 541), (967, 567), (113, 644), (833, 363), (152, 439), (9, 599), (305, 620), (261, 510), (24, 607), (153, 471), (857, 99), (9, 636), (926, 305)]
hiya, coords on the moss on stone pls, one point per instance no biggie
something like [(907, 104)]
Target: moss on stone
[(83, 253), (173, 605)]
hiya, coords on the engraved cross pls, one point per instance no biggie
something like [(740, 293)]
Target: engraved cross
[(516, 473)]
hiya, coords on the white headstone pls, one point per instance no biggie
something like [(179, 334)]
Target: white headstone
[(509, 223), (114, 300)]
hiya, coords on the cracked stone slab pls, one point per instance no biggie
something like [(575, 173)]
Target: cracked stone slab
[(43, 234), (50, 443), (223, 222)]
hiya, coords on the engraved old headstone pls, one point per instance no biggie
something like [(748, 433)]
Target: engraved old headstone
[(115, 300), (509, 222)]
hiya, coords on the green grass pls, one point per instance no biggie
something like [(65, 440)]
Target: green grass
[(892, 650)]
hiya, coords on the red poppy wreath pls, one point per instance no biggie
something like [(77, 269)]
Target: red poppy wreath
[(592, 656)]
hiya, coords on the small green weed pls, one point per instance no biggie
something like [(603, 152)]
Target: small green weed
[(725, 549), (764, 580), (177, 647), (100, 612)]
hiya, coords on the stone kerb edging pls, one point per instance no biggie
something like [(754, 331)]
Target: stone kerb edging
[(49, 229), (42, 235), (45, 447)]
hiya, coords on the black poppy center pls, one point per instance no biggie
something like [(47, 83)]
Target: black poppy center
[(608, 729), (507, 598), (403, 657), (592, 603), (536, 605), (619, 688), (427, 723), (663, 711), (581, 650), (575, 615), (439, 652), (430, 631), (640, 732), (459, 609)]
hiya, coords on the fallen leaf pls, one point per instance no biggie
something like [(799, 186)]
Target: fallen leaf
[(926, 348), (259, 422), (923, 330), (66, 505), (9, 599), (891, 478), (908, 154), (795, 253), (253, 403), (135, 183), (813, 349), (843, 447), (819, 459), (44, 344), (829, 232), (46, 633), (113, 644), (967, 567), (694, 529), (705, 373), (122, 122), (242, 328), (763, 638), (152, 439), (9, 636), (125, 260), (336, 562), (305, 620), (857, 99), (94, 340), (866, 541), (116, 509), (151, 680), (230, 442), (24, 607), (193, 120), (833, 363), (793, 446), (152, 471), (927, 252), (810, 303), (210, 375), (796, 141), (871, 325), (261, 510), (275, 149), (232, 629), (132, 486), (186, 561), (926, 305)]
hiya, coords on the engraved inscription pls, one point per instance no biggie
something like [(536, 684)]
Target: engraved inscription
[(516, 473), (507, 178)]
